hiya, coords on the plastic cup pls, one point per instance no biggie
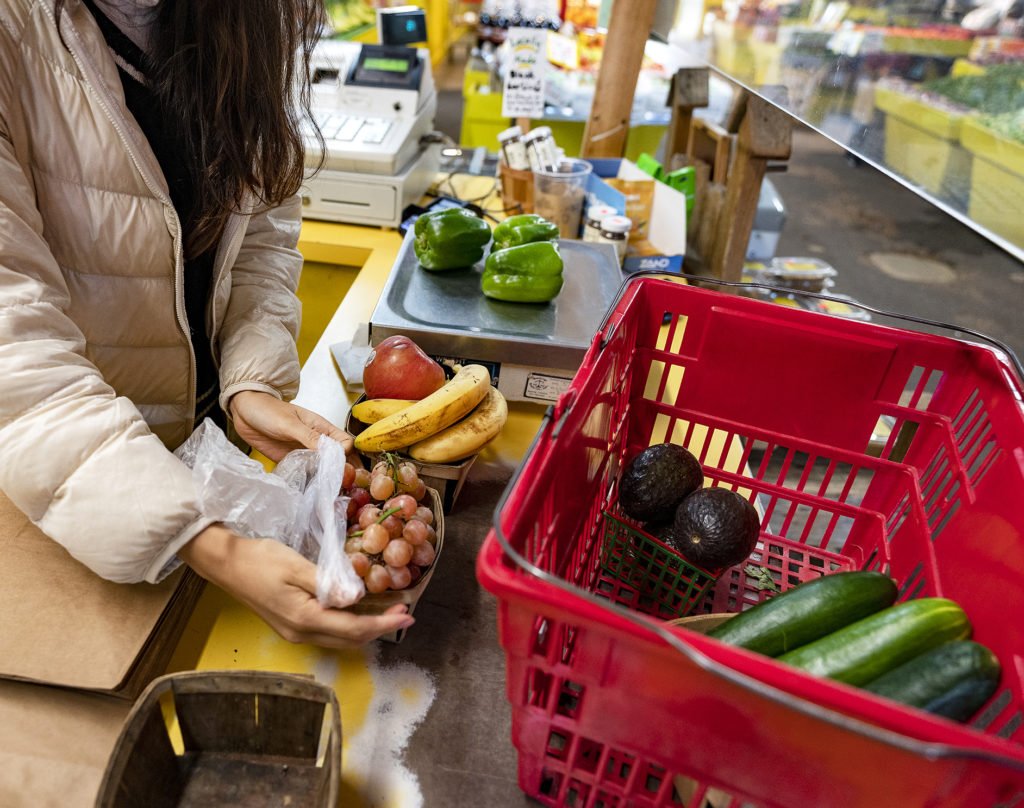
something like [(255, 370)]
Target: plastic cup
[(558, 196)]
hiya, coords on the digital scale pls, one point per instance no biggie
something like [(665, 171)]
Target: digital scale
[(531, 349), (374, 105)]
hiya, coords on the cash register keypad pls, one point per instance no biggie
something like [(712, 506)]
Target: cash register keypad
[(345, 128)]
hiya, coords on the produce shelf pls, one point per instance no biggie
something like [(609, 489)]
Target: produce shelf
[(922, 142), (997, 180)]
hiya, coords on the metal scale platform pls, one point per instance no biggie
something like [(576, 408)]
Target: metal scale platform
[(532, 349)]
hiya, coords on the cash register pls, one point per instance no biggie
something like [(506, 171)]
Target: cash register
[(375, 107)]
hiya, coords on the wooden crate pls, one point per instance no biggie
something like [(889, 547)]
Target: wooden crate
[(250, 738)]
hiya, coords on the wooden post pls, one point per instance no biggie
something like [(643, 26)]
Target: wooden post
[(689, 90), (737, 109), (764, 135), (608, 126)]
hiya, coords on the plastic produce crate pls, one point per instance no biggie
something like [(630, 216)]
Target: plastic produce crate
[(612, 707), (922, 142), (997, 180)]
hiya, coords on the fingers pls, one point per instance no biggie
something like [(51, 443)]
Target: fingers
[(317, 425), (355, 628), (334, 628), (303, 575), (331, 628)]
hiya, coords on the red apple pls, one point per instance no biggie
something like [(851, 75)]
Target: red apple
[(398, 368)]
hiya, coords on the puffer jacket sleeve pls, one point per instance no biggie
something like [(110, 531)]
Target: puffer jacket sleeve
[(257, 338), (77, 459)]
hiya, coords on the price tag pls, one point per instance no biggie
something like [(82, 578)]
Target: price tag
[(523, 93), (563, 51), (543, 387)]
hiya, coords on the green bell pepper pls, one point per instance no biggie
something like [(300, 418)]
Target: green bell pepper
[(524, 229), (529, 273), (450, 238)]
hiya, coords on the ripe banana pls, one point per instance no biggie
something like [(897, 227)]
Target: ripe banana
[(429, 415), (374, 409), (467, 436)]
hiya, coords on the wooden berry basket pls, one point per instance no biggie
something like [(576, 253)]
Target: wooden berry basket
[(250, 738), (447, 478), (377, 604)]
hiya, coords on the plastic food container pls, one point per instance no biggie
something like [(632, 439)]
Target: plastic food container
[(801, 274), (559, 195), (612, 706)]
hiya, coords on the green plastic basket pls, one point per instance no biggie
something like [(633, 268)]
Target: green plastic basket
[(638, 571)]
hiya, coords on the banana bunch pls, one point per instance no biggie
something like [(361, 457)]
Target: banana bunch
[(451, 424)]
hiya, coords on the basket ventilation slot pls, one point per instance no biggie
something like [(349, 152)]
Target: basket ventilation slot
[(921, 386), (975, 438), (999, 718), (570, 699), (913, 584)]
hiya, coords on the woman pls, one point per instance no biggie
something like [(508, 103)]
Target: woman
[(149, 163)]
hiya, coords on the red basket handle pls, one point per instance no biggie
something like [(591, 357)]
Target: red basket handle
[(1004, 355), (1008, 359)]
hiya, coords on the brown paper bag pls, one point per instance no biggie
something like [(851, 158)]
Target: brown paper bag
[(62, 624), (54, 744)]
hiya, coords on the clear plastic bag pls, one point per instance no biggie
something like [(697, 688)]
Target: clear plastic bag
[(297, 503)]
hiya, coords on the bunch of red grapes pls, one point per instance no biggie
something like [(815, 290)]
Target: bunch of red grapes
[(391, 538)]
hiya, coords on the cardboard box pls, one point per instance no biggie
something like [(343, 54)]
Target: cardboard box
[(61, 624), (54, 744), (666, 228)]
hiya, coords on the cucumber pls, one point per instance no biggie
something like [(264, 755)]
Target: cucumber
[(863, 651), (808, 612), (953, 680)]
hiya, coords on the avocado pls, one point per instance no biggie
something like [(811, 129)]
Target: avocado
[(714, 528), (657, 480)]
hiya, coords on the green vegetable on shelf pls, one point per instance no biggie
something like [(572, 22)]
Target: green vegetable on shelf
[(1009, 125), (529, 273), (999, 89), (450, 239), (524, 229)]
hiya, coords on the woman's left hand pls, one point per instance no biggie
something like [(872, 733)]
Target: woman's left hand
[(275, 427)]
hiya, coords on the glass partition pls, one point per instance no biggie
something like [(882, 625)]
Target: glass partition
[(929, 91)]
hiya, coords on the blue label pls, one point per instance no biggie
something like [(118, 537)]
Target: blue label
[(657, 263)]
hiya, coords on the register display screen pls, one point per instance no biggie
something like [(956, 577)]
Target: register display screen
[(385, 65), (390, 66)]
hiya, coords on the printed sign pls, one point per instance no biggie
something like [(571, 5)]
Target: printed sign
[(524, 75), (660, 263)]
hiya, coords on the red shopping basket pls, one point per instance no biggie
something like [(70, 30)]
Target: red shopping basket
[(866, 447)]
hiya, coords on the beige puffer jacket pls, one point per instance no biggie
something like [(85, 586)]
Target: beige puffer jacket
[(96, 371)]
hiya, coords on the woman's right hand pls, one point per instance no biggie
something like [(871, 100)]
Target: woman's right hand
[(280, 586)]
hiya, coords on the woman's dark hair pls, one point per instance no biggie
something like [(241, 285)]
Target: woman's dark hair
[(227, 70)]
